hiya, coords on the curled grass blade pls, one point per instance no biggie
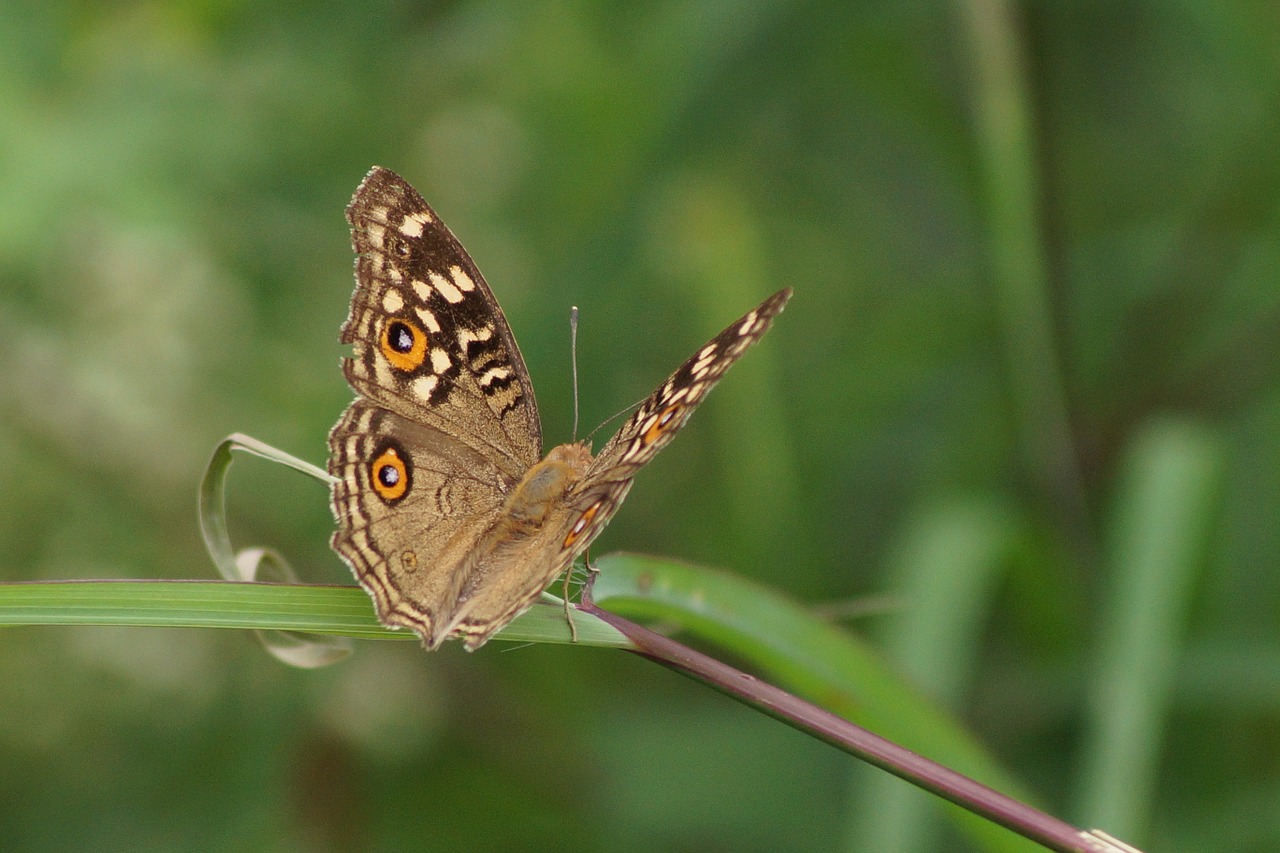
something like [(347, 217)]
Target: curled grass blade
[(249, 565), (213, 511)]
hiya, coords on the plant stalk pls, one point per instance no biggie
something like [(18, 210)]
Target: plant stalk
[(786, 707)]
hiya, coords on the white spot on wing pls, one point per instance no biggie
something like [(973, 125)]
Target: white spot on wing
[(706, 357), (425, 386), (493, 374), (421, 288), (383, 370), (414, 224), (634, 450), (392, 301), (428, 319), (447, 288), (466, 336), (439, 360), (461, 279)]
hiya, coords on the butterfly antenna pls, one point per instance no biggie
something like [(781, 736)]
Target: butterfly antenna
[(573, 351), (621, 412)]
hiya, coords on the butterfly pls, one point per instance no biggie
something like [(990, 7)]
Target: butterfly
[(447, 511)]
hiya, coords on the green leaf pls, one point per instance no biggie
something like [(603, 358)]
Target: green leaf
[(795, 650), (1164, 507), (327, 610)]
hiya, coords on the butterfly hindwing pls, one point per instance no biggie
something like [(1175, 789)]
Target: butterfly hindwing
[(411, 501)]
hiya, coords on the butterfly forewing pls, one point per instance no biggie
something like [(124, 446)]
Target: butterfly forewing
[(430, 340), (656, 420)]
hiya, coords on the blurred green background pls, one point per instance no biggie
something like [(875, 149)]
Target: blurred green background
[(1027, 389)]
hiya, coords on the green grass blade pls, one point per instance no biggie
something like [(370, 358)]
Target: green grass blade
[(798, 652), (1164, 505), (344, 611), (944, 570), (1004, 137)]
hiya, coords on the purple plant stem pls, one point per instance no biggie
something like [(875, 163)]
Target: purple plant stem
[(839, 732)]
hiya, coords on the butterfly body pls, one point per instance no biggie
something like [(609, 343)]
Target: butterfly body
[(448, 513)]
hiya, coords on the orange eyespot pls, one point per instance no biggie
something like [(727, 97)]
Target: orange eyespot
[(581, 524), (404, 345), (659, 426), (390, 474)]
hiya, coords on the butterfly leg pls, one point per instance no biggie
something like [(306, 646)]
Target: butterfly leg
[(568, 576), (568, 611)]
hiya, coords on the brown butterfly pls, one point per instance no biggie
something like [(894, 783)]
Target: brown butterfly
[(447, 511)]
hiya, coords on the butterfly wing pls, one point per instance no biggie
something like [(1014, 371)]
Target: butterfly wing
[(445, 421), (430, 342), (411, 501), (591, 502), (657, 420)]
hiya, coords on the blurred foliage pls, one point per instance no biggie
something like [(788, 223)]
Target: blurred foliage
[(174, 267)]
